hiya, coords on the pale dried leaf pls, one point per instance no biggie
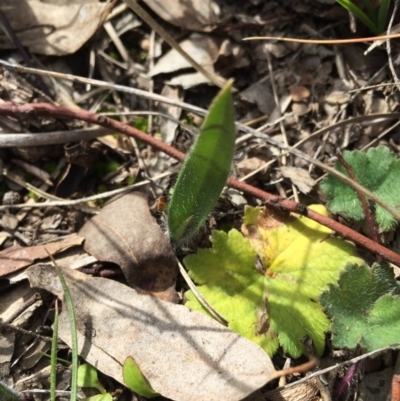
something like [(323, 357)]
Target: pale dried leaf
[(185, 355), (203, 49), (12, 301), (74, 258), (299, 177), (190, 80), (16, 258), (125, 233), (50, 28), (249, 165), (261, 94), (194, 15)]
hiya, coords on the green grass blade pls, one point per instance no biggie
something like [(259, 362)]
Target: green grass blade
[(53, 358), (370, 11), (382, 15), (72, 323), (357, 12), (74, 337), (205, 170)]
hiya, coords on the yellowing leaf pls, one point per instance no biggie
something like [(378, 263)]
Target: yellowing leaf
[(300, 258), (232, 285)]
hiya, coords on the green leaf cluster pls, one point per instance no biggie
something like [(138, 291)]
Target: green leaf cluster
[(364, 307), (374, 20), (280, 307), (377, 170), (205, 170)]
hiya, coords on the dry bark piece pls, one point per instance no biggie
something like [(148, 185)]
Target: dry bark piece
[(50, 28), (16, 258), (185, 355), (125, 233)]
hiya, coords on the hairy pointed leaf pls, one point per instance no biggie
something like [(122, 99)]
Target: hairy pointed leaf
[(205, 170)]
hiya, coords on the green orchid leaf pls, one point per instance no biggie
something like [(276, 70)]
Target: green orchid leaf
[(377, 170), (134, 379), (87, 377), (364, 307), (364, 18), (382, 14), (205, 170)]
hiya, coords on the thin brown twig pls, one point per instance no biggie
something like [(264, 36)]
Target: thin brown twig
[(49, 110), (367, 212), (29, 302), (19, 330), (396, 388), (326, 41)]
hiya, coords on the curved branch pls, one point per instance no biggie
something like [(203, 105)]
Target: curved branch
[(49, 110)]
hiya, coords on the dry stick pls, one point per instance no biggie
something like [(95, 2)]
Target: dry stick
[(19, 330), (303, 368), (34, 298), (202, 112), (325, 41), (49, 110), (363, 201)]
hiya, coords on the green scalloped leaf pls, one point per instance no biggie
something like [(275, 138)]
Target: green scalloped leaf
[(280, 307), (364, 307), (377, 170)]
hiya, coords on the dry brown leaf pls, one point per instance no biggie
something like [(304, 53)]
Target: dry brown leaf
[(185, 355), (125, 233), (194, 15), (299, 177), (203, 49), (51, 27), (16, 258)]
